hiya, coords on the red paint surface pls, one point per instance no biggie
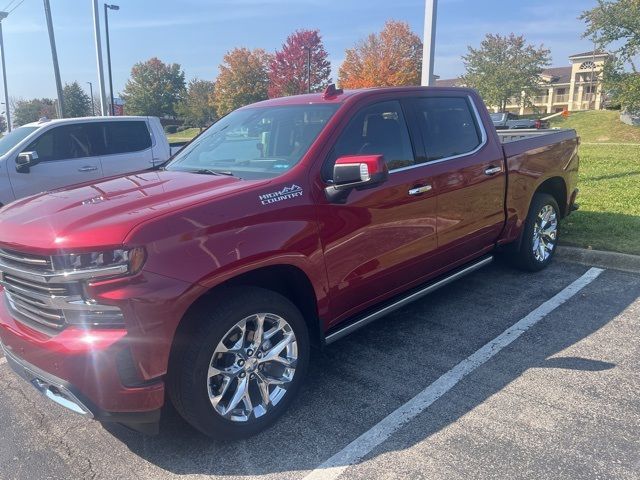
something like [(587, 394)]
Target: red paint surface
[(200, 231)]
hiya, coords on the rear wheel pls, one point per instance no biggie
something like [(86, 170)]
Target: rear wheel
[(540, 234), (241, 365)]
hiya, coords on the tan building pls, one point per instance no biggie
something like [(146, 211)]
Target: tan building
[(576, 87)]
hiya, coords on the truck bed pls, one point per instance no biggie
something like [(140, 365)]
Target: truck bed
[(514, 135)]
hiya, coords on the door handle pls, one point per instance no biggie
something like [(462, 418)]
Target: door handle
[(420, 190), (88, 168), (492, 170)]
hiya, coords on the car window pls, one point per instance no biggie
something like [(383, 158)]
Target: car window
[(256, 142), (126, 136), (448, 126), (11, 139), (379, 129), (65, 143)]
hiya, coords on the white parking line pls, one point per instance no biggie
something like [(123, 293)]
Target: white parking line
[(369, 440)]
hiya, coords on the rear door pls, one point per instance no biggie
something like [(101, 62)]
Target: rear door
[(382, 238), (128, 147), (67, 154), (468, 171)]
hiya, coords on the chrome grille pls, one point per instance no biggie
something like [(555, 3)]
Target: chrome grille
[(41, 293), (31, 301), (20, 260)]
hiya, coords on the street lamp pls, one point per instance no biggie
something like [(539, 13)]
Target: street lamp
[(93, 107), (4, 15), (108, 7), (308, 49)]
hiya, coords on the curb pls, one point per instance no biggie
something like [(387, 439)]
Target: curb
[(599, 258)]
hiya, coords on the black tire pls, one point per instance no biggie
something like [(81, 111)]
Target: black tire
[(195, 346), (525, 258)]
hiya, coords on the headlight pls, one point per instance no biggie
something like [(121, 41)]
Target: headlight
[(106, 263)]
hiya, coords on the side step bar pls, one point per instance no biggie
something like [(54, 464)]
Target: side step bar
[(401, 302)]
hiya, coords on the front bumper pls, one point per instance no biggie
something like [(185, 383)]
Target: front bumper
[(66, 395), (78, 369)]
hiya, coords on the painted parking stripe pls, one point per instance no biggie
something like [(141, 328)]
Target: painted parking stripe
[(369, 440)]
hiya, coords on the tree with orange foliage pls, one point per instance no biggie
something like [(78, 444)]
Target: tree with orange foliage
[(243, 79), (392, 57)]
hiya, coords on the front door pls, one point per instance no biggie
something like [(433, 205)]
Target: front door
[(382, 238), (66, 155)]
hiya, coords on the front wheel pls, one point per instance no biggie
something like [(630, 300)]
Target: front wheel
[(540, 234), (241, 365)]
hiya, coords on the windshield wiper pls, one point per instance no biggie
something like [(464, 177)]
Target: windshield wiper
[(208, 171)]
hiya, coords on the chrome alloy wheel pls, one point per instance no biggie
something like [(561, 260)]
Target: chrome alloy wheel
[(545, 233), (252, 367)]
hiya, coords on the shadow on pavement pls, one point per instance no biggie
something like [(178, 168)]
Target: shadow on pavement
[(356, 382)]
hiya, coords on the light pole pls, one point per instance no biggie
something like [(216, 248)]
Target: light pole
[(429, 42), (96, 34), (309, 69), (93, 107), (108, 7), (54, 56), (3, 15)]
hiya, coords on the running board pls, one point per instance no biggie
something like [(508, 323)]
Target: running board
[(411, 297)]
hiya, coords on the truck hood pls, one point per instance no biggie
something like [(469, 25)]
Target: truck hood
[(102, 214)]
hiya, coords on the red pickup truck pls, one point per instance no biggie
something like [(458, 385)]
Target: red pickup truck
[(286, 225)]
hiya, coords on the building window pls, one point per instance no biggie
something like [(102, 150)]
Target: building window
[(561, 91), (590, 88), (587, 66)]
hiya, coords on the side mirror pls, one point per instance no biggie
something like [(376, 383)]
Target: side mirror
[(356, 172), (25, 161)]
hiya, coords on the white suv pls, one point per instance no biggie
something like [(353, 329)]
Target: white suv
[(51, 154)]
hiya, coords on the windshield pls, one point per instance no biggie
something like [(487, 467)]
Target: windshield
[(255, 143), (497, 117), (10, 140)]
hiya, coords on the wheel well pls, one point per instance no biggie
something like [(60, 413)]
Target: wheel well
[(557, 188), (288, 281)]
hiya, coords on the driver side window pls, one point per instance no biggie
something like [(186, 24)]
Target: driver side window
[(379, 129), (63, 143)]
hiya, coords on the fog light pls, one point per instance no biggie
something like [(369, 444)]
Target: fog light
[(95, 316)]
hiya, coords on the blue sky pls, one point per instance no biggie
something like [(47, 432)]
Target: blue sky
[(196, 33)]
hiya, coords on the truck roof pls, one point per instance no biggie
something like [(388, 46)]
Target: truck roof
[(342, 96), (67, 121)]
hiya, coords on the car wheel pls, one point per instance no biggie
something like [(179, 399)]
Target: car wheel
[(540, 234), (242, 363)]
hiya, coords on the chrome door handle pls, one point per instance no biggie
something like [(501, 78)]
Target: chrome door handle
[(492, 170), (88, 168), (420, 190)]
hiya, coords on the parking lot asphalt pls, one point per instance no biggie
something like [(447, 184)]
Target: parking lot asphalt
[(561, 401)]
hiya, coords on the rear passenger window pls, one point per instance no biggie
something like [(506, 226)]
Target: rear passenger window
[(126, 136), (379, 129), (448, 126)]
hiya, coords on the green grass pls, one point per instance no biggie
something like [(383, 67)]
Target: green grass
[(599, 126), (609, 215), (183, 136)]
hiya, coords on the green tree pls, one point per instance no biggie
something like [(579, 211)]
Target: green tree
[(154, 88), (27, 111), (617, 23), (504, 67), (76, 102), (3, 124), (243, 79), (197, 108)]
